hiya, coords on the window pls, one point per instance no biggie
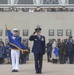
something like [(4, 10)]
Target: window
[(51, 32), (68, 32), (6, 41), (3, 1), (71, 1), (25, 41), (59, 32), (0, 39), (50, 2), (25, 2), (25, 32), (0, 32)]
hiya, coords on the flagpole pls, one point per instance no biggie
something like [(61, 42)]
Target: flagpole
[(6, 27)]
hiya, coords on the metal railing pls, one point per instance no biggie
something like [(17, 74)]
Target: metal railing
[(12, 3)]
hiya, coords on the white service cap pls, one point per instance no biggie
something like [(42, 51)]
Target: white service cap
[(15, 29)]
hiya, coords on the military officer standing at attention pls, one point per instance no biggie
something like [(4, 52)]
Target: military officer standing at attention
[(15, 53), (38, 49)]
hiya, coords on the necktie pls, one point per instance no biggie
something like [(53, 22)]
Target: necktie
[(39, 37)]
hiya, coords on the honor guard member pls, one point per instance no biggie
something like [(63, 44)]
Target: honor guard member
[(15, 53), (70, 49), (38, 49)]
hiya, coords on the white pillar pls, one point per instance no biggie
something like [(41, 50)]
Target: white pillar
[(34, 1), (9, 1), (38, 2), (41, 1), (12, 2), (63, 2), (60, 2), (67, 1), (15, 1)]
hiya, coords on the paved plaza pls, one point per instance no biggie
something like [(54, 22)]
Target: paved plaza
[(48, 69)]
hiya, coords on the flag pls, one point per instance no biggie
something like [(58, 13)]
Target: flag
[(56, 51), (14, 42)]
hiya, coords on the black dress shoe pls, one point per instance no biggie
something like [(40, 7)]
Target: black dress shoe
[(13, 70), (37, 72), (40, 72), (16, 70)]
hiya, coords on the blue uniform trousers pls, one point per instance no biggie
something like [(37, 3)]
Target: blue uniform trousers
[(71, 58), (38, 62)]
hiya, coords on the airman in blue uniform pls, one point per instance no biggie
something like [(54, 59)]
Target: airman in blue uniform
[(70, 49), (38, 49)]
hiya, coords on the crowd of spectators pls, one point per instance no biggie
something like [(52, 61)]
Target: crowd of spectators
[(5, 54)]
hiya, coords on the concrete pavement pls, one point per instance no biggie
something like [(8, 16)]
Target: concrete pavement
[(48, 69)]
